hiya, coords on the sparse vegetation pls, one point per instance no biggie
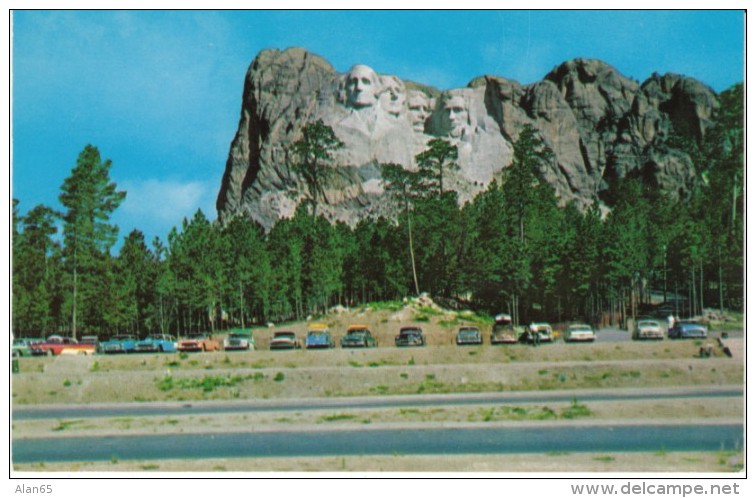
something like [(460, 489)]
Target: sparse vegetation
[(67, 424), (338, 417), (205, 383), (575, 410)]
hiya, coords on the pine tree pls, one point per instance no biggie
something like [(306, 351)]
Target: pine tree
[(34, 270), (312, 157), (90, 197), (434, 164), (399, 182)]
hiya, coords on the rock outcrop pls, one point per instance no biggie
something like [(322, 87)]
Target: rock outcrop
[(601, 126)]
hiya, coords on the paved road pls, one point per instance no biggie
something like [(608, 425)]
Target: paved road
[(370, 441), (499, 398)]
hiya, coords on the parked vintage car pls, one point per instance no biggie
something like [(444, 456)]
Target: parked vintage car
[(648, 329), (22, 346), (580, 332), (157, 343), (121, 343), (504, 331), (410, 336), (319, 337), (239, 340), (468, 335), (688, 329), (358, 336), (202, 341), (284, 339), (544, 331), (55, 345)]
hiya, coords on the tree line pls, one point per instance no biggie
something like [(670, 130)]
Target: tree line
[(513, 248)]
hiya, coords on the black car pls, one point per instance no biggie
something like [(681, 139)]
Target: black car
[(410, 336)]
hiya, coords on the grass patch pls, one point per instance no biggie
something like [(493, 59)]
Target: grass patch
[(384, 306), (279, 377), (605, 458), (730, 459), (66, 424), (337, 417), (206, 383), (355, 364), (576, 410), (95, 367), (260, 364), (431, 385), (150, 467), (430, 311), (66, 383)]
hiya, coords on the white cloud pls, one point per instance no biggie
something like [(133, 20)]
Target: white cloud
[(160, 204)]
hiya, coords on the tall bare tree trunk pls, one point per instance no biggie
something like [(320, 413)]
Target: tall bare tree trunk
[(412, 254), (75, 284)]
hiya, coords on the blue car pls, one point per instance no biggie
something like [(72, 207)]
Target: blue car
[(119, 344), (157, 343), (318, 337), (688, 329)]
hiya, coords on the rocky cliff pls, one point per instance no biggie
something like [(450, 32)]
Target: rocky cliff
[(602, 128)]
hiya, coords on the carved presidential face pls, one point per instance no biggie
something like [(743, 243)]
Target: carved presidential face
[(455, 116), (419, 106), (394, 95), (362, 87)]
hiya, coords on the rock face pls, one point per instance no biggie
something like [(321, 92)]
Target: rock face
[(601, 126)]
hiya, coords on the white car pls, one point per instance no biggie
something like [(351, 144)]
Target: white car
[(284, 340), (544, 331), (239, 341), (579, 333), (648, 329)]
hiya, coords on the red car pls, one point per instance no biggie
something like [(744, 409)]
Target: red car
[(55, 345), (199, 342)]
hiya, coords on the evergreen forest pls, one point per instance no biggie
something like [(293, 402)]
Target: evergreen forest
[(513, 249)]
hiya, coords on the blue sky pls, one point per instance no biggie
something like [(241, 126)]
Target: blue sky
[(159, 92)]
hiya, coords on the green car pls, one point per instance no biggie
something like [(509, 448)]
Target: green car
[(22, 346), (358, 336)]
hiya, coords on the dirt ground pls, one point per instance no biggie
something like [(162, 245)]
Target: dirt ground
[(380, 371), (437, 368), (557, 464)]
